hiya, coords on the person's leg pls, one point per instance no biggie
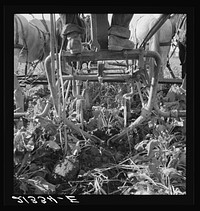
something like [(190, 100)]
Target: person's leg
[(183, 85), (121, 20), (73, 29), (119, 32)]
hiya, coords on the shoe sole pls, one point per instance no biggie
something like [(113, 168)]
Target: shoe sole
[(75, 51), (117, 48)]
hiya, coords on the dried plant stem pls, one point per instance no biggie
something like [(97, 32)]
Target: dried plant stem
[(140, 94), (67, 91), (62, 84), (60, 132), (66, 140)]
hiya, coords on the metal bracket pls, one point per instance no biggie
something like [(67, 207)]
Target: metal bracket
[(100, 67), (94, 45)]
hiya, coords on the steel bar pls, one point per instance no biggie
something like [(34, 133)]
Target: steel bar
[(170, 81), (107, 55), (35, 83), (117, 64), (20, 114), (106, 77), (33, 76), (146, 110), (110, 76)]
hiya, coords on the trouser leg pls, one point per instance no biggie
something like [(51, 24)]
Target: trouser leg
[(119, 32), (73, 28), (121, 20), (72, 23)]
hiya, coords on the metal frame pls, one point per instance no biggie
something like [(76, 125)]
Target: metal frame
[(100, 54)]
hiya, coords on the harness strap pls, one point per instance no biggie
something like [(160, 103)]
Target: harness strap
[(180, 24), (45, 25), (39, 30), (161, 43), (43, 34), (180, 27), (47, 32), (19, 46), (169, 57), (44, 38), (165, 43)]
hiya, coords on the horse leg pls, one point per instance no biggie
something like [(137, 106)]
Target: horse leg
[(184, 64), (182, 58), (183, 85), (183, 71), (19, 99)]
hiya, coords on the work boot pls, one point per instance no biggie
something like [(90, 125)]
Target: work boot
[(119, 39), (73, 33), (74, 45), (118, 44)]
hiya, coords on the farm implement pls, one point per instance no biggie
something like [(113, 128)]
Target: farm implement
[(101, 125), (128, 66)]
